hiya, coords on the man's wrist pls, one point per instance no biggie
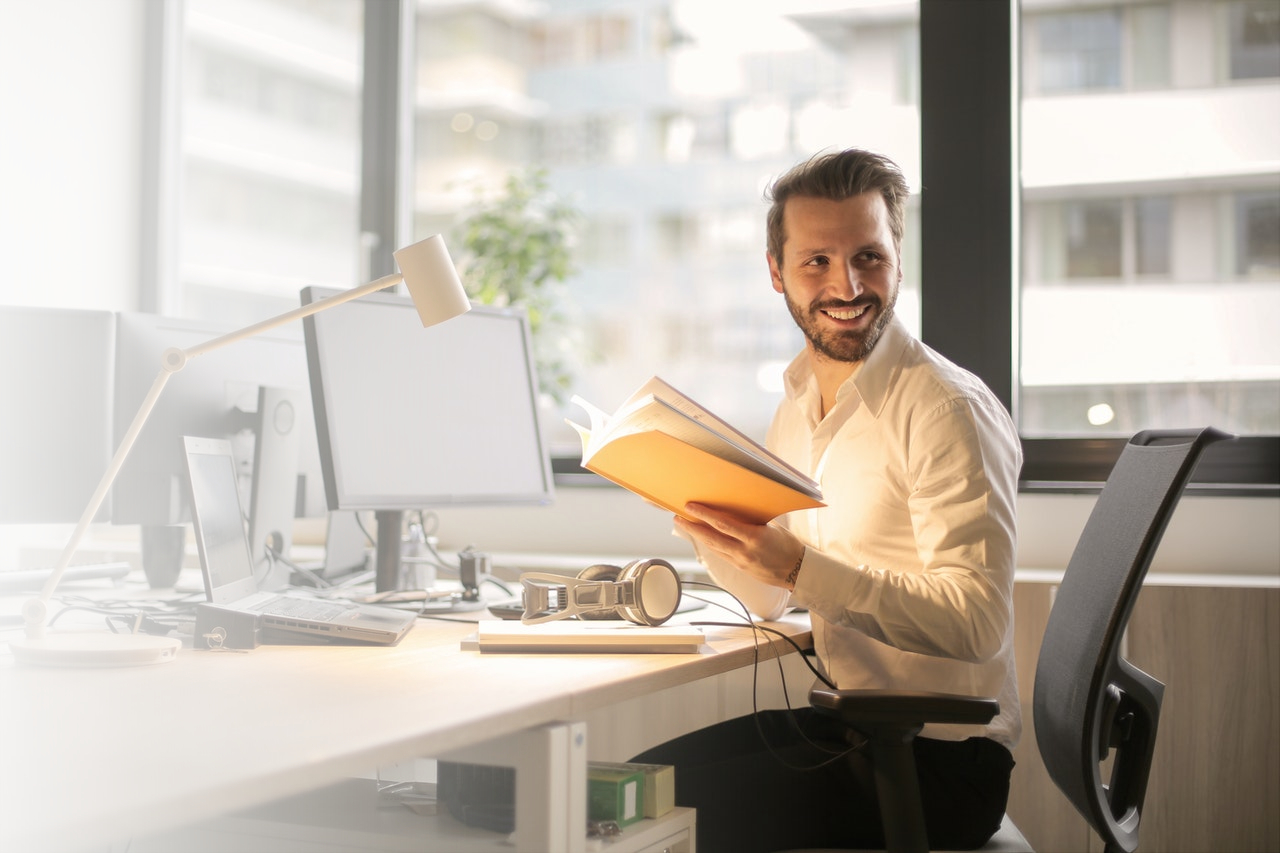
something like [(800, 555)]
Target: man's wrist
[(790, 580)]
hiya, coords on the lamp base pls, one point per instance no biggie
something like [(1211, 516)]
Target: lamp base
[(94, 649)]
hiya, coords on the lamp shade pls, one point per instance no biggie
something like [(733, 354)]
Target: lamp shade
[(432, 280)]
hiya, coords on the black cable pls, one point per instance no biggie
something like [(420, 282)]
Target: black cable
[(499, 584), (275, 556), (835, 755), (370, 541)]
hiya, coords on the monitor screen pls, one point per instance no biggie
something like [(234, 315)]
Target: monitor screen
[(413, 418), (55, 418)]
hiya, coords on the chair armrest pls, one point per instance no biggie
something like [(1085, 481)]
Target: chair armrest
[(869, 707)]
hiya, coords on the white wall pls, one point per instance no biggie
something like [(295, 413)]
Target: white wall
[(71, 101)]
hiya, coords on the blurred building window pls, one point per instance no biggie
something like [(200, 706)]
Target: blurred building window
[(1253, 33), (267, 177), (1144, 162)]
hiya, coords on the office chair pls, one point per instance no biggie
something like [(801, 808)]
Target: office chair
[(1088, 700)]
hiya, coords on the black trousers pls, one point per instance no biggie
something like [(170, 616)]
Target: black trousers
[(785, 779)]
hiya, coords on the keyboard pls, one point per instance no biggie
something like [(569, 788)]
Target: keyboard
[(304, 608)]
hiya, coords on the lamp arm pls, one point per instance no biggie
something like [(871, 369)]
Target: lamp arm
[(296, 314), (35, 611)]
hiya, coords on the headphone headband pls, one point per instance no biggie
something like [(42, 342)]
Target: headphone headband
[(646, 592)]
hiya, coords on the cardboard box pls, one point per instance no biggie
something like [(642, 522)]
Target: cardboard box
[(615, 794), (659, 784)]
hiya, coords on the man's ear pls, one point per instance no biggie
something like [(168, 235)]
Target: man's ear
[(774, 273)]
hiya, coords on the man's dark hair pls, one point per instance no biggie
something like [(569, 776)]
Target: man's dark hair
[(837, 176)]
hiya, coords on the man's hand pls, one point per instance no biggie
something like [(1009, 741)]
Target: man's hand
[(767, 553)]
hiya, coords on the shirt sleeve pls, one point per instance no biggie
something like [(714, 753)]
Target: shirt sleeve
[(961, 484)]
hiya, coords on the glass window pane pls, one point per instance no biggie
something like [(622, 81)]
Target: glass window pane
[(1254, 39), (1078, 50), (1093, 235), (1153, 232), (1258, 235), (661, 127), (269, 164), (1150, 225), (1151, 46)]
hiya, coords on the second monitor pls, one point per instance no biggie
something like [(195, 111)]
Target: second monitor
[(411, 418)]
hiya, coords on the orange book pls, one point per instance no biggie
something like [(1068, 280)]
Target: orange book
[(671, 451)]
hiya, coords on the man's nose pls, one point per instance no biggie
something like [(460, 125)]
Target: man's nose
[(848, 283)]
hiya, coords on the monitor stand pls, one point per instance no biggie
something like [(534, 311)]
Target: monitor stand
[(386, 561), (387, 567)]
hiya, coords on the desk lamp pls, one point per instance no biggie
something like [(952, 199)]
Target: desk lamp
[(437, 293)]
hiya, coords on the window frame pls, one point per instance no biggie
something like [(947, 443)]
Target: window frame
[(969, 150), (969, 105)]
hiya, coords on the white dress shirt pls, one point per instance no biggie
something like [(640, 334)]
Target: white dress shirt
[(908, 571)]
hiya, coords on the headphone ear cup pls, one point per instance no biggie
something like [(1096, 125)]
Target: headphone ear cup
[(600, 572), (657, 591)]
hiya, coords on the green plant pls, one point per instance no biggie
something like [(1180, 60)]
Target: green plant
[(517, 250)]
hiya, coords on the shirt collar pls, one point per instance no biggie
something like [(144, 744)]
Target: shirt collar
[(872, 380)]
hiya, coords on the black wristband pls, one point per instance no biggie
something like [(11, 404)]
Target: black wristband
[(795, 572)]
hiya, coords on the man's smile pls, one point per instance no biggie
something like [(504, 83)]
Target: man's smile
[(852, 312)]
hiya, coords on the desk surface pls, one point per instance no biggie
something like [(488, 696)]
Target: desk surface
[(89, 755)]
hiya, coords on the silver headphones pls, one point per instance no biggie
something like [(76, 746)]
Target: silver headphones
[(646, 592)]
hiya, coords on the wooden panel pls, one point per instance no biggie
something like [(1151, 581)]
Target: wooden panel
[(1216, 773)]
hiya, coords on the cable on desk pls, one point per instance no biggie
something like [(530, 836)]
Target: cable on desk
[(835, 755), (274, 556), (151, 616)]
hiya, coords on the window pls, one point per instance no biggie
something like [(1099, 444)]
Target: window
[(1257, 229), (264, 189), (1125, 239), (1079, 50), (1174, 190), (1253, 33), (663, 125), (1121, 46), (1093, 239), (1148, 263), (1152, 235)]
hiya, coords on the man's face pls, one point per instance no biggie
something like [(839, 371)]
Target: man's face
[(840, 273)]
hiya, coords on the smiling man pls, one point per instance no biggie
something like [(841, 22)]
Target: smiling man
[(907, 572)]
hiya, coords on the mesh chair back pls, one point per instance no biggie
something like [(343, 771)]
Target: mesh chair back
[(1088, 700)]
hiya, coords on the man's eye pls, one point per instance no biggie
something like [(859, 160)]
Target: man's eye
[(818, 261)]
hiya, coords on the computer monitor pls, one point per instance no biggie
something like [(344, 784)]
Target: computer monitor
[(254, 393), (412, 418), (55, 416)]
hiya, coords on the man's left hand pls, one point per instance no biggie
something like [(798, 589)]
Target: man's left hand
[(768, 553)]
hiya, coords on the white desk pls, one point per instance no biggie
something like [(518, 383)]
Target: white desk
[(94, 756)]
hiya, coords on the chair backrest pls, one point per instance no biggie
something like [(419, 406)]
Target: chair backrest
[(1088, 700)]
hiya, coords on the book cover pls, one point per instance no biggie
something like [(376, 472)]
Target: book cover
[(665, 447)]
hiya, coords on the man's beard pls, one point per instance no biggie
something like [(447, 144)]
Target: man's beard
[(848, 345)]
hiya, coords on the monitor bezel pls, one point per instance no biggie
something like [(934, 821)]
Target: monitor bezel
[(338, 498)]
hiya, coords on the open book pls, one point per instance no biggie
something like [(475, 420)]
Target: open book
[(671, 451)]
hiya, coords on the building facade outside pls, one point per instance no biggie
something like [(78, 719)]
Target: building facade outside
[(1150, 148)]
